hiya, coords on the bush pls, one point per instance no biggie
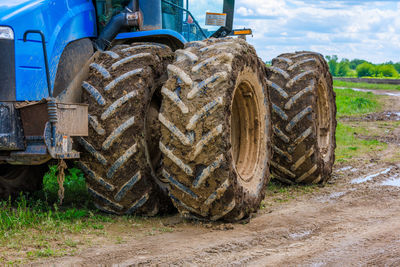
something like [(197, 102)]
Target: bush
[(365, 70), (386, 71), (343, 69), (74, 186)]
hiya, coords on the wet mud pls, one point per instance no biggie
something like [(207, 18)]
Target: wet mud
[(352, 220)]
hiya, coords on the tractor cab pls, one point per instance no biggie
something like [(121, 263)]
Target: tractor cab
[(187, 20)]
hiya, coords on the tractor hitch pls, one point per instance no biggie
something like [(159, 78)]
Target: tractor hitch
[(47, 129)]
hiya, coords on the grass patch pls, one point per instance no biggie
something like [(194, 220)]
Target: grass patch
[(350, 102), (373, 86), (74, 185), (349, 146), (33, 227), (281, 193)]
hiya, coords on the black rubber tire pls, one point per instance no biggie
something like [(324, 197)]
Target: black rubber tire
[(201, 130), (20, 178), (119, 91), (303, 118)]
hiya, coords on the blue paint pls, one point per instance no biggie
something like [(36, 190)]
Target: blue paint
[(128, 186), (137, 205), (61, 21), (181, 186)]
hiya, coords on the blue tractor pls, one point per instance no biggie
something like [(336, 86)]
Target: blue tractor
[(155, 108)]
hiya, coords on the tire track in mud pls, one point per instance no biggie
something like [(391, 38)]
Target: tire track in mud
[(358, 219), (346, 223)]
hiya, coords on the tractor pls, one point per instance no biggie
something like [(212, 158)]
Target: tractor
[(157, 109)]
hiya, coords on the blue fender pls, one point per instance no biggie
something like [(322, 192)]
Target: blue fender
[(61, 22), (171, 38)]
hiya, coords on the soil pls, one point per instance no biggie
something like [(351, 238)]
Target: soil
[(352, 220)]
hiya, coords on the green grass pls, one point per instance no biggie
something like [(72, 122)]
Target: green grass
[(277, 192), (349, 146), (337, 83), (74, 185), (36, 220), (350, 102)]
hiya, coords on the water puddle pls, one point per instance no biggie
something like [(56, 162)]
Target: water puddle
[(396, 115), (376, 92), (392, 181), (369, 177), (336, 195), (300, 234), (331, 197), (344, 168), (348, 168)]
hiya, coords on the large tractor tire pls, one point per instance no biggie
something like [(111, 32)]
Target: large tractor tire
[(15, 179), (215, 134), (121, 156), (303, 118)]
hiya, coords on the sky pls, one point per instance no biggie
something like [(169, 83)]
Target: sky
[(350, 29)]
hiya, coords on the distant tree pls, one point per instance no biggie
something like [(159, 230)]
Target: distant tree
[(343, 68), (355, 62), (386, 70), (365, 70), (333, 64), (397, 66)]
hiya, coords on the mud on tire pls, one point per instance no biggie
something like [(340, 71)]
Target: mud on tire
[(116, 154), (303, 118), (215, 134)]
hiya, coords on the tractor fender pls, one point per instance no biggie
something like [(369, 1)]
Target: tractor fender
[(163, 36)]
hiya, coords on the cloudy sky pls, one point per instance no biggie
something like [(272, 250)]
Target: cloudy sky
[(348, 28), (351, 29)]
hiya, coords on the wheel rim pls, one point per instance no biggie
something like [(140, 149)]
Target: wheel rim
[(324, 127), (248, 139)]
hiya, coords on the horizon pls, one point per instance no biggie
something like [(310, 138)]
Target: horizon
[(350, 29)]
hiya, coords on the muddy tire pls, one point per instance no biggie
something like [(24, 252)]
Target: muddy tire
[(215, 134), (15, 179), (118, 159), (303, 118)]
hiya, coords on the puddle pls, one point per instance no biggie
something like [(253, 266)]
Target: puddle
[(377, 116), (300, 234), (348, 168), (336, 195), (392, 181), (331, 197), (344, 168), (376, 92), (393, 114), (369, 177)]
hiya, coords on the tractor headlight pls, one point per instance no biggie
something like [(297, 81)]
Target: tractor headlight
[(6, 33)]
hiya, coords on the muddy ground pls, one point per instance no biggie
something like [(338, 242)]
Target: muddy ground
[(353, 220)]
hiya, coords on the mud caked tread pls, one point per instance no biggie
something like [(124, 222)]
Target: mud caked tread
[(195, 136), (293, 81), (119, 89)]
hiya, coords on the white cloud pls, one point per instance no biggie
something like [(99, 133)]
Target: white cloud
[(244, 11), (350, 29)]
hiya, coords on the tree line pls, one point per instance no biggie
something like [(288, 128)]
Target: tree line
[(362, 68)]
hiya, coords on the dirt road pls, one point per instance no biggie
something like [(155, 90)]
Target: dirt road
[(353, 220)]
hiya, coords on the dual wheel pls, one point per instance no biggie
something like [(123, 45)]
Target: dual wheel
[(202, 135)]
